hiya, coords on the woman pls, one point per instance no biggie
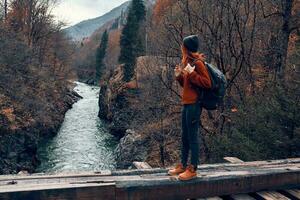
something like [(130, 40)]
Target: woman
[(191, 76)]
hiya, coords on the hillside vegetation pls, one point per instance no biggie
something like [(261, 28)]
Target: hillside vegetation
[(85, 55), (255, 44), (35, 87)]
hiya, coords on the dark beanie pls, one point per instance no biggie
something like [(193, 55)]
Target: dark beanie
[(191, 43)]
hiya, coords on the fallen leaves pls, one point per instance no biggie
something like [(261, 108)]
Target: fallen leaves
[(234, 110), (9, 114)]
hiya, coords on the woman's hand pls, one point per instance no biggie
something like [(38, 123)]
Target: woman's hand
[(189, 68), (177, 71)]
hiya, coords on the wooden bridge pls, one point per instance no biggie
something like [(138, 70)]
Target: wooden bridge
[(276, 179)]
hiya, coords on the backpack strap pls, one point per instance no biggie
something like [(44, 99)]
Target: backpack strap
[(193, 63), (199, 91)]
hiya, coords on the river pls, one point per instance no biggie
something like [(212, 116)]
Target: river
[(83, 143)]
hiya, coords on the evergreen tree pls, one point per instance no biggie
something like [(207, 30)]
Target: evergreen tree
[(130, 42), (138, 7), (100, 55)]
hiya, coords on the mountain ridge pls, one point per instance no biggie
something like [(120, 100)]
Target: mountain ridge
[(87, 27)]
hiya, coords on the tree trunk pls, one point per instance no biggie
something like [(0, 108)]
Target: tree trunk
[(5, 9), (283, 38), (29, 22)]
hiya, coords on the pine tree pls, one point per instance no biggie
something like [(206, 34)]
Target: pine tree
[(139, 9), (130, 42), (100, 55)]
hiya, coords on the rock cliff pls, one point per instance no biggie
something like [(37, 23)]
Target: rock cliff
[(133, 109), (21, 131)]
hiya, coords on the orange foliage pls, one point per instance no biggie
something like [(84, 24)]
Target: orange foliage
[(131, 85), (9, 113), (234, 110), (113, 49), (160, 8)]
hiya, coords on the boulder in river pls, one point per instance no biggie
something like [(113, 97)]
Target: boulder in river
[(132, 147)]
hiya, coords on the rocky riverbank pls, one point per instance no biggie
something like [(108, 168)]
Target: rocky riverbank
[(133, 118), (117, 106), (21, 131)]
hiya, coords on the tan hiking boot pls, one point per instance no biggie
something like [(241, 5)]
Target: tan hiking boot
[(177, 170), (188, 174)]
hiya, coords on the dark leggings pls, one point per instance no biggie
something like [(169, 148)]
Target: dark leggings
[(189, 138)]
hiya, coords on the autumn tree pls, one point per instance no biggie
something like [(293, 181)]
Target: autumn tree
[(286, 15), (236, 36), (3, 9), (113, 49), (131, 40), (33, 19), (161, 8), (34, 23), (100, 55)]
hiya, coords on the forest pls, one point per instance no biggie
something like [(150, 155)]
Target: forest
[(35, 87), (255, 43)]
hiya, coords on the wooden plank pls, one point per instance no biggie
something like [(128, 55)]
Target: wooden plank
[(273, 195), (233, 160), (201, 187), (63, 192), (287, 194), (53, 176), (213, 180), (212, 167), (295, 193), (242, 197), (270, 163), (141, 165), (211, 198), (215, 173), (266, 195)]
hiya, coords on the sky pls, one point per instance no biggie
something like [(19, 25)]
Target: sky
[(74, 11)]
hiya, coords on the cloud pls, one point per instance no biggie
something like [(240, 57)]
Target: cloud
[(74, 11)]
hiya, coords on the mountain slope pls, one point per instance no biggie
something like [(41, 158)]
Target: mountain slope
[(87, 27)]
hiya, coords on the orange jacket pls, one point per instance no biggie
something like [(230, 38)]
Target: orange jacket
[(198, 78)]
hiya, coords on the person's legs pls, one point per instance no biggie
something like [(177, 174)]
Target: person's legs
[(193, 121), (181, 167), (184, 137), (193, 112)]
